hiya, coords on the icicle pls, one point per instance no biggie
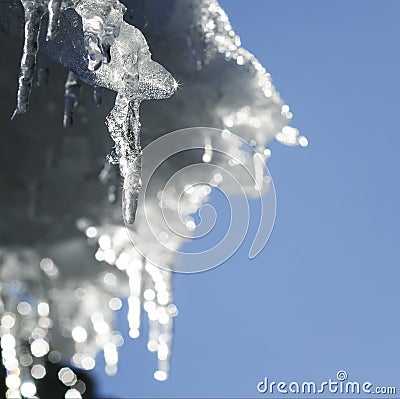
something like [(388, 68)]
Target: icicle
[(54, 8), (71, 98), (135, 272), (208, 151), (111, 196), (98, 95), (132, 185), (124, 127), (42, 76), (33, 11), (160, 310), (165, 312)]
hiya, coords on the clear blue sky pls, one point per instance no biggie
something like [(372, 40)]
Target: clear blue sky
[(324, 293)]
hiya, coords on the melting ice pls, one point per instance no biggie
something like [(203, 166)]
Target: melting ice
[(119, 59)]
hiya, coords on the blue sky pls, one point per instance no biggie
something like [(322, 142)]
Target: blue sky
[(323, 295)]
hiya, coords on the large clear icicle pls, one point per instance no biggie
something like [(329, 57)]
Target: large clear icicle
[(71, 98), (136, 77), (124, 127), (33, 12)]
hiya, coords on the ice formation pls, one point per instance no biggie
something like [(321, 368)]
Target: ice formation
[(118, 56), (223, 86)]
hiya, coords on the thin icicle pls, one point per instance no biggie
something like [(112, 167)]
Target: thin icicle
[(71, 98), (54, 9), (135, 271), (33, 11), (98, 95), (42, 76)]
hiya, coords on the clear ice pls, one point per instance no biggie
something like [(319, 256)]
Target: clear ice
[(124, 127), (118, 57), (135, 77)]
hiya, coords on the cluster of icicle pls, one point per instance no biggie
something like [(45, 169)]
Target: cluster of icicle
[(37, 318), (40, 310), (119, 58), (150, 288), (32, 318), (33, 322)]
